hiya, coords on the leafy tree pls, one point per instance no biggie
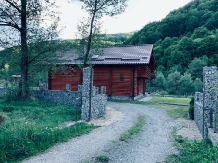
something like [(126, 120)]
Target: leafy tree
[(19, 23), (196, 68), (186, 84), (198, 85), (96, 10), (200, 32), (173, 82), (207, 46), (160, 82)]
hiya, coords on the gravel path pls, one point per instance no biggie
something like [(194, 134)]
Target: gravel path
[(151, 146)]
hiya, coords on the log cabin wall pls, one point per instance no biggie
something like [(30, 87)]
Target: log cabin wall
[(59, 79), (118, 79)]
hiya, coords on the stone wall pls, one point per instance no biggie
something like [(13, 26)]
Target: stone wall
[(59, 97), (206, 103), (198, 111)]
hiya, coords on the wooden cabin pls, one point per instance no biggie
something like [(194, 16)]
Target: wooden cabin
[(122, 69)]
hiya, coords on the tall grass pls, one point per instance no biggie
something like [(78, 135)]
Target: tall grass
[(32, 127)]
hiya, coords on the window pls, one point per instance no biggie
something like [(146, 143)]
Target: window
[(121, 78)]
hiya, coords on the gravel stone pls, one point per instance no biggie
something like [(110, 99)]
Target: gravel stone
[(152, 145)]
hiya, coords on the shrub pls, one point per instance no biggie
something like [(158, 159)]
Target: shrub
[(12, 94)]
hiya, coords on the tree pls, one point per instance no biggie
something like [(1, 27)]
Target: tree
[(200, 32), (186, 84), (173, 82), (19, 22), (160, 82), (96, 10), (196, 68), (198, 85)]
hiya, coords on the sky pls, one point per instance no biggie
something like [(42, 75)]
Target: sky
[(137, 14)]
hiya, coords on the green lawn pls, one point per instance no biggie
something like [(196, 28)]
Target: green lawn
[(156, 100), (173, 111), (32, 127)]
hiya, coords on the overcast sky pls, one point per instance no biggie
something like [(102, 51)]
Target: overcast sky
[(136, 16)]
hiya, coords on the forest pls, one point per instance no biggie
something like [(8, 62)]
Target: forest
[(184, 41)]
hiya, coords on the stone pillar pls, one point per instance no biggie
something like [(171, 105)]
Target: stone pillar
[(68, 87), (209, 99), (103, 90), (86, 93), (45, 86), (80, 88)]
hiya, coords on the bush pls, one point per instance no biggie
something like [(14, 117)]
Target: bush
[(12, 94), (191, 109)]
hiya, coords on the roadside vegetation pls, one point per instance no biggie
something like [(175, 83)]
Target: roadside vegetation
[(134, 130), (193, 151), (30, 127), (190, 151)]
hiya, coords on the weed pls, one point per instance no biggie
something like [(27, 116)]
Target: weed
[(102, 159), (134, 130), (191, 151), (178, 112)]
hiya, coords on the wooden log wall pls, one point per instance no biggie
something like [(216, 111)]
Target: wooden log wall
[(120, 80), (102, 77), (59, 79), (144, 72), (116, 78)]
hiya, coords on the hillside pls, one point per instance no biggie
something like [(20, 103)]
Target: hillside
[(185, 40)]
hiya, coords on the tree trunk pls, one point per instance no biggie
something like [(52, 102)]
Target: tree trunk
[(24, 52), (90, 37)]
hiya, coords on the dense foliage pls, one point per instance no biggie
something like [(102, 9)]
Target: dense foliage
[(184, 42)]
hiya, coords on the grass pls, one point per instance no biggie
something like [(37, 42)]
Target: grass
[(102, 159), (178, 112), (134, 130), (156, 100), (193, 151), (173, 111), (32, 127)]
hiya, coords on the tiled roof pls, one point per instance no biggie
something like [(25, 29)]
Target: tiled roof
[(137, 54)]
